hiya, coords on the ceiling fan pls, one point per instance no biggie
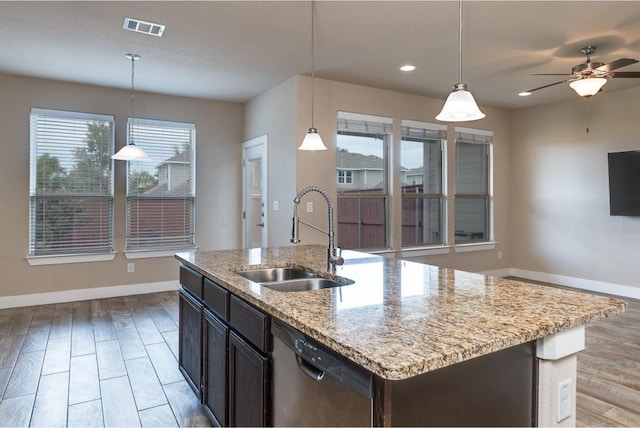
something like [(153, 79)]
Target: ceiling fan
[(588, 79)]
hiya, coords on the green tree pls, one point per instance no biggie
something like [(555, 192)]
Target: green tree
[(93, 161), (50, 175), (140, 182)]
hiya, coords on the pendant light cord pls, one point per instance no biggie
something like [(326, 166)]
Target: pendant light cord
[(460, 43), (313, 56), (133, 66)]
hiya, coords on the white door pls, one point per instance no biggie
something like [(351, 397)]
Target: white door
[(254, 162)]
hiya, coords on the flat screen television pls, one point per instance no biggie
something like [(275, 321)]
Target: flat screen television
[(624, 183)]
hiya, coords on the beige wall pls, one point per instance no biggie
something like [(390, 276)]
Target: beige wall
[(219, 134), (560, 220), (318, 168), (274, 114), (551, 209)]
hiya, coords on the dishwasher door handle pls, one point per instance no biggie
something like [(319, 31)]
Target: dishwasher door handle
[(309, 369)]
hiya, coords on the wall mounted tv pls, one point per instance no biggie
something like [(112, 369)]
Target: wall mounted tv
[(624, 183)]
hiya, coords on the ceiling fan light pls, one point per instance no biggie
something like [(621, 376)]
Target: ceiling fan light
[(312, 141), (130, 152), (460, 106), (588, 87)]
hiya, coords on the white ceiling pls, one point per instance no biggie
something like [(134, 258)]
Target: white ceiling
[(235, 50)]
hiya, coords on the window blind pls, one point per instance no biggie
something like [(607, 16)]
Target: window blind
[(71, 183), (161, 192)]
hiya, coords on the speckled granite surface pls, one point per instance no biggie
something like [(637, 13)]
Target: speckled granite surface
[(401, 319)]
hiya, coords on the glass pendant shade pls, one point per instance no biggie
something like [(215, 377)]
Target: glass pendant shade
[(312, 141), (130, 152), (460, 106), (588, 87)]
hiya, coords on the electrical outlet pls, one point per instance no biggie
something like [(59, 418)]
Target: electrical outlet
[(131, 267), (276, 205), (499, 255), (564, 399), (309, 207)]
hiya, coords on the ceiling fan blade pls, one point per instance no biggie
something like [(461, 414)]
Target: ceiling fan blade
[(619, 63), (632, 74), (546, 86)]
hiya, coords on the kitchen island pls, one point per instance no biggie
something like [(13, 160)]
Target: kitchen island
[(412, 326)]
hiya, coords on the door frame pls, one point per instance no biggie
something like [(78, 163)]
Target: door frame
[(251, 144)]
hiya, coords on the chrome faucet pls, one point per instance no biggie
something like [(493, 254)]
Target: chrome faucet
[(333, 254)]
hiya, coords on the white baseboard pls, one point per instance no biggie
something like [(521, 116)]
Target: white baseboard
[(569, 281), (86, 294)]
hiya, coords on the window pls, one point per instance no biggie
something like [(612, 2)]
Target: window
[(161, 192), (421, 181), (71, 183), (472, 185), (362, 197), (345, 177)]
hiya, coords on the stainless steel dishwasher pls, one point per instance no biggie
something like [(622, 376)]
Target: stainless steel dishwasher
[(314, 386)]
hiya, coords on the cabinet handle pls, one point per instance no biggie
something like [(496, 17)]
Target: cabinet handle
[(309, 369)]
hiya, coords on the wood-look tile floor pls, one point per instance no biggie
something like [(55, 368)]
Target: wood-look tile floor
[(113, 362), (106, 362), (609, 372)]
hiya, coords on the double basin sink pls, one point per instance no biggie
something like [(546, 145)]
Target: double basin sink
[(288, 279)]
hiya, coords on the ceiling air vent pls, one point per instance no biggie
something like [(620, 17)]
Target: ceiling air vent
[(145, 27)]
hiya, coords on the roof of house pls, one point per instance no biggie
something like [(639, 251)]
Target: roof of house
[(162, 189), (354, 161)]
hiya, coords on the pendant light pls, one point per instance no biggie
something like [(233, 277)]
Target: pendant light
[(460, 105), (131, 152), (312, 141)]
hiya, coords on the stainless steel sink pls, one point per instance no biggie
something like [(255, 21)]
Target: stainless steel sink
[(289, 279), (275, 274), (305, 284)]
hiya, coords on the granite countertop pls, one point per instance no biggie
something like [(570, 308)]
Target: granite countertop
[(401, 319)]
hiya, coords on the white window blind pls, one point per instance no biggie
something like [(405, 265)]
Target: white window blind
[(472, 185), (161, 192), (71, 183)]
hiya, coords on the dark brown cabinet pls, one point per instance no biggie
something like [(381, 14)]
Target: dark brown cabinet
[(249, 384), (216, 336), (225, 346), (190, 339)]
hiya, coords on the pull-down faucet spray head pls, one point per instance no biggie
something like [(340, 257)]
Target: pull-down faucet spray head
[(295, 230)]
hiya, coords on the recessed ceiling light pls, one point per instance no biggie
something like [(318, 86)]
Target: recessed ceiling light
[(146, 27), (524, 94), (408, 67)]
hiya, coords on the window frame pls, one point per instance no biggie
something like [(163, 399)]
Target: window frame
[(430, 133), (480, 137), (386, 136), (133, 251), (345, 176), (102, 248)]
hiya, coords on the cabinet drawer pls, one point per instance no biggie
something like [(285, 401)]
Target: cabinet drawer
[(216, 299), (251, 323), (191, 280)]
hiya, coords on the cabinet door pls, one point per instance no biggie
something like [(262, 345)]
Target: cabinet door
[(216, 339), (249, 384), (190, 338)]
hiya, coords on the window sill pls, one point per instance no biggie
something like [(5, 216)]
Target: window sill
[(148, 254), (72, 258), (425, 251), (476, 246)]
